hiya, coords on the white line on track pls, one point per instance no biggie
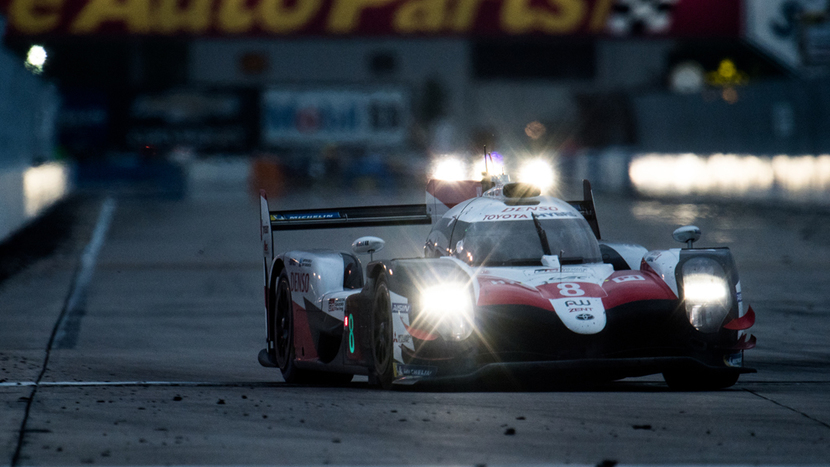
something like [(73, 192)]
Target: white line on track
[(87, 266), (7, 384)]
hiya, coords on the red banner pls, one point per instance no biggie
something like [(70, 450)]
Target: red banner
[(702, 18)]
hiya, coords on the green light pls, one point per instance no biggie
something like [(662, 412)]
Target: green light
[(351, 333)]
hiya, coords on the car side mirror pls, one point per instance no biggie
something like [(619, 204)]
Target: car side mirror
[(687, 234), (370, 245)]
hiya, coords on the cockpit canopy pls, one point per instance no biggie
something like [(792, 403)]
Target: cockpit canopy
[(495, 232)]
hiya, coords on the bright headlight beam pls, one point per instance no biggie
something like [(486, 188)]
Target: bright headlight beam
[(703, 288), (445, 299), (707, 294), (450, 169), (449, 309), (538, 172)]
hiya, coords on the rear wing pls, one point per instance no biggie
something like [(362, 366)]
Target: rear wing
[(586, 207), (332, 218), (364, 216)]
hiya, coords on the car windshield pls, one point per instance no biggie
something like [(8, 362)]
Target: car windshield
[(518, 242)]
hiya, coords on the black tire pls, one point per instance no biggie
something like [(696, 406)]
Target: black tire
[(700, 380), (382, 351), (284, 332)]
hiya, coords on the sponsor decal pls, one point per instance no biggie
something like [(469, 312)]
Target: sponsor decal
[(401, 308), (735, 360), (401, 338), (305, 216), (337, 305), (415, 370), (293, 262), (305, 263), (543, 271), (570, 278), (652, 257), (621, 279), (577, 270), (584, 315), (531, 209), (299, 282), (518, 216)]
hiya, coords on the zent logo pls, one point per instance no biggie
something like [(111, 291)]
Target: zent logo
[(299, 282), (570, 289)]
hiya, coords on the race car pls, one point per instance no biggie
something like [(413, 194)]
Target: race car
[(513, 282)]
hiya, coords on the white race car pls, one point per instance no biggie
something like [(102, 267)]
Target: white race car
[(511, 281)]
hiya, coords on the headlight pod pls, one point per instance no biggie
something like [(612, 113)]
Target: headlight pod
[(707, 294), (448, 310)]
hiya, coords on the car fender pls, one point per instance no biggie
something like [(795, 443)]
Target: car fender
[(622, 255), (663, 263)]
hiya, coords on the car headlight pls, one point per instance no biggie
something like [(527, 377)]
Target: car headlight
[(706, 293), (450, 169), (447, 309)]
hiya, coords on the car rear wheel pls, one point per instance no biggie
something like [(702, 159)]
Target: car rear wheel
[(284, 331), (382, 335), (284, 343), (700, 380)]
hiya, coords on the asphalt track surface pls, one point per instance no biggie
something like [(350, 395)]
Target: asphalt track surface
[(136, 344)]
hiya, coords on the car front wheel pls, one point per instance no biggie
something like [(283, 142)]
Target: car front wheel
[(382, 335)]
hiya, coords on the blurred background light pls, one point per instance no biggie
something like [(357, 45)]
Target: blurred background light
[(36, 59), (44, 185), (729, 174)]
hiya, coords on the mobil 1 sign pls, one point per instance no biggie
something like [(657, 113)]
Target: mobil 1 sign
[(302, 117)]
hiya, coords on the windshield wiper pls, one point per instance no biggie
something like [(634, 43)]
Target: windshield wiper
[(543, 237)]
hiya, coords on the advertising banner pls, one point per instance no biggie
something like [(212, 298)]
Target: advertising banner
[(208, 121), (681, 18), (313, 117), (795, 32)]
